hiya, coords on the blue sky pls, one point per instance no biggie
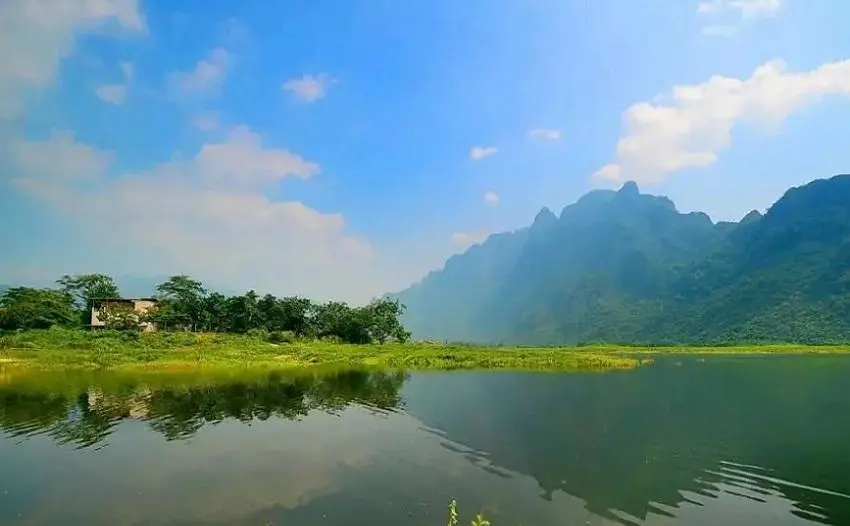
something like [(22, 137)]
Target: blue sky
[(343, 149)]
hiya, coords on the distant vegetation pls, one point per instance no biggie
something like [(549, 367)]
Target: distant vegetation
[(185, 305), (61, 349), (625, 267)]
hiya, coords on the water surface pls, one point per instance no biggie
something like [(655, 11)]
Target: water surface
[(686, 441)]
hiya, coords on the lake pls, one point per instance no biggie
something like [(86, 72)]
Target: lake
[(685, 441)]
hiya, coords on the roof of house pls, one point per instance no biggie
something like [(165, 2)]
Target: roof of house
[(116, 300)]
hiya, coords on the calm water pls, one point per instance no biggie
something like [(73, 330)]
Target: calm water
[(750, 441)]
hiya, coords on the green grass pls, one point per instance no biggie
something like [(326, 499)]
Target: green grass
[(783, 348), (59, 349)]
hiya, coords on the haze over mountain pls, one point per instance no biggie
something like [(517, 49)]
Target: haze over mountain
[(622, 266)]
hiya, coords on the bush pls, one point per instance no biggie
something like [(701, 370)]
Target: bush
[(261, 334), (281, 337)]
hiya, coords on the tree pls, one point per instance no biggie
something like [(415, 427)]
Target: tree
[(29, 308), (338, 319), (243, 312), (85, 289), (296, 314), (181, 302), (383, 320), (215, 315)]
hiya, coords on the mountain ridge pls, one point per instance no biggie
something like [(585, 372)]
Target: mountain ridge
[(626, 267)]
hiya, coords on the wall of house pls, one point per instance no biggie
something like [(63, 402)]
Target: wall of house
[(138, 306)]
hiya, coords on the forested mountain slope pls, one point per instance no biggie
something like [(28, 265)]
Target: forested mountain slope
[(621, 266)]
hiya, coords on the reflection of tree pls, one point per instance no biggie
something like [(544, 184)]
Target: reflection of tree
[(624, 441), (177, 413)]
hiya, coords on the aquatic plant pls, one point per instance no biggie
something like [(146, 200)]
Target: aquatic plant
[(479, 519)]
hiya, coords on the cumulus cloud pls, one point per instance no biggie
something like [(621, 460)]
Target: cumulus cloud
[(111, 93), (128, 70), (745, 8), (209, 121), (207, 75), (117, 93), (309, 88), (491, 198), (41, 34), (480, 152), (206, 215), (59, 158), (721, 30), (691, 126), (738, 9), (241, 160), (543, 134)]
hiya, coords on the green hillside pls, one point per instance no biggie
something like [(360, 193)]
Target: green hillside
[(625, 267)]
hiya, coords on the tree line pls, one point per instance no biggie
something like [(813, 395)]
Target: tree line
[(184, 304)]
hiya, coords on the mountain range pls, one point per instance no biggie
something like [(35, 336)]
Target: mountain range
[(626, 267)]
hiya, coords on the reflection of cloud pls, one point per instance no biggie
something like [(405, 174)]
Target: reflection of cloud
[(226, 472)]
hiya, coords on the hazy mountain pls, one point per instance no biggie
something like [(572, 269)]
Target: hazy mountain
[(621, 266)]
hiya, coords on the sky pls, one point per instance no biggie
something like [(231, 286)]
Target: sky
[(344, 149)]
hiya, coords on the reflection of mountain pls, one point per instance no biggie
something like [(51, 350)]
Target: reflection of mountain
[(624, 441), (87, 419)]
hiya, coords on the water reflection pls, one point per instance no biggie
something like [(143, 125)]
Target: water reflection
[(760, 441), (640, 445), (87, 414)]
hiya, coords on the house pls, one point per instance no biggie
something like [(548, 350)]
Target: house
[(137, 306)]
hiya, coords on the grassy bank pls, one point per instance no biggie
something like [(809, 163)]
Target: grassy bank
[(73, 349), (741, 349)]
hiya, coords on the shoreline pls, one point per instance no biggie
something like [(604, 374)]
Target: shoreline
[(159, 351)]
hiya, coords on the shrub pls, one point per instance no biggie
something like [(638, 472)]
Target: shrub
[(261, 334), (281, 337)]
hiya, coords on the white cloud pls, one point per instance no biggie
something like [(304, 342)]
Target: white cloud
[(480, 152), (127, 70), (209, 121), (38, 34), (242, 161), (749, 8), (309, 88), (491, 198), (695, 123), (745, 8), (117, 93), (59, 158), (721, 30), (111, 93), (207, 75), (206, 216), (543, 134), (464, 240), (739, 9)]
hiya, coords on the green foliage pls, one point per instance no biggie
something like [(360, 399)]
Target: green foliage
[(29, 308), (185, 305), (479, 519), (624, 267), (60, 348), (281, 337), (86, 289)]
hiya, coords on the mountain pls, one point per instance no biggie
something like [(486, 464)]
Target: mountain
[(626, 267)]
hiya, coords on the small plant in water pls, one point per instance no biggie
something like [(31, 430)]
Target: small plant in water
[(479, 519)]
